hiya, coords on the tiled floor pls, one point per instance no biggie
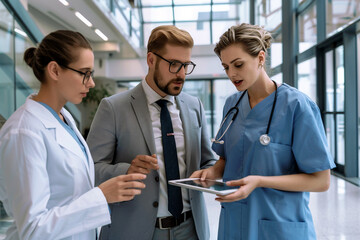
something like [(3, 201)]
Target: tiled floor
[(336, 212)]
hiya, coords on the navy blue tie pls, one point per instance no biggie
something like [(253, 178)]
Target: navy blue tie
[(175, 205)]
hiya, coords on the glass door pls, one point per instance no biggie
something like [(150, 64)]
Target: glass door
[(335, 104)]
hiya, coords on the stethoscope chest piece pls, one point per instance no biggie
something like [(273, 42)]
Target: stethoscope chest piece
[(264, 139)]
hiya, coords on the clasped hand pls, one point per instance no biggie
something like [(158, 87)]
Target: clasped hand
[(143, 164)]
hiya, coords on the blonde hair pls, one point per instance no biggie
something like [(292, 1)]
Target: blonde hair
[(168, 34), (252, 37)]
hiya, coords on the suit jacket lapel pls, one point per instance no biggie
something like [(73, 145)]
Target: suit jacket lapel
[(141, 110)]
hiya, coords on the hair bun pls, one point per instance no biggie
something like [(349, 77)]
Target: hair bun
[(266, 39), (29, 56)]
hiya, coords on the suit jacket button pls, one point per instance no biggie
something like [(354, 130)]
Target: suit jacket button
[(157, 178), (155, 204)]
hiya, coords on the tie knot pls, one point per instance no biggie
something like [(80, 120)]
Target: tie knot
[(162, 102)]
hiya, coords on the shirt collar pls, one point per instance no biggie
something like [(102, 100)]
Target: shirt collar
[(153, 96)]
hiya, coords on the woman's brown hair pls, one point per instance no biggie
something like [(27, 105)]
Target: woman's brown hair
[(58, 46)]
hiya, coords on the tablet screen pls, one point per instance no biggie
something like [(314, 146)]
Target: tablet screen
[(210, 184)]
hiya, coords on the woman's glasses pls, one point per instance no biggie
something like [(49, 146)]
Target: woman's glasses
[(86, 74)]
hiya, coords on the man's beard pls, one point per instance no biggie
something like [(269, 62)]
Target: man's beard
[(166, 88)]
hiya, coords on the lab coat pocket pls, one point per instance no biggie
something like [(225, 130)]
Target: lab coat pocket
[(270, 230)]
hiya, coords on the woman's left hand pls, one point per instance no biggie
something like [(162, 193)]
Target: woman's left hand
[(247, 185)]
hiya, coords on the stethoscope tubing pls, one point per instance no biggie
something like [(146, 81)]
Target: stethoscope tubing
[(272, 109), (235, 107)]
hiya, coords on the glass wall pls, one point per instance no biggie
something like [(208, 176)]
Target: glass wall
[(222, 89), (16, 79), (26, 82), (307, 28), (269, 15), (7, 94), (202, 90), (127, 17), (340, 13), (205, 20), (278, 78), (358, 97), (335, 104), (307, 78)]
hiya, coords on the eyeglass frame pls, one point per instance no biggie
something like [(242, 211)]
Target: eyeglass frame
[(177, 61), (82, 73)]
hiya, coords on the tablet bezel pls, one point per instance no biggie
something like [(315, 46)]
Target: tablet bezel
[(179, 183)]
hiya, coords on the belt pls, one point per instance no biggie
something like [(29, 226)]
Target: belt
[(170, 222)]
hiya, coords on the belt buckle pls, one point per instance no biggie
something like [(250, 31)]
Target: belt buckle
[(160, 223)]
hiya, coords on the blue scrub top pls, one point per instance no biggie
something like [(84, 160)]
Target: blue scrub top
[(298, 145)]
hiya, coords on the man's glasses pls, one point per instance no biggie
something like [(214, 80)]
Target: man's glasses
[(86, 74), (175, 66)]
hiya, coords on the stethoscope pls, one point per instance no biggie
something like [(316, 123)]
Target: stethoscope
[(264, 139)]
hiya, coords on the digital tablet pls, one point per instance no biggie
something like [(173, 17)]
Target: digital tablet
[(210, 186)]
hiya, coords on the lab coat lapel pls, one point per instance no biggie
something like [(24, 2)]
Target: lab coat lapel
[(62, 137), (186, 123), (88, 162), (65, 140), (141, 110)]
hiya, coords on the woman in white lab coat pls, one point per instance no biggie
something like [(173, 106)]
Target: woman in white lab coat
[(46, 169)]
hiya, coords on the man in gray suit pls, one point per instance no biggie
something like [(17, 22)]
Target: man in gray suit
[(126, 137)]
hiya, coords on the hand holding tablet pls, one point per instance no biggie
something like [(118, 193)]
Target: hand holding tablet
[(207, 185)]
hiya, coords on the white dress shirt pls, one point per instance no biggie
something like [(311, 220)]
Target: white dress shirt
[(174, 111)]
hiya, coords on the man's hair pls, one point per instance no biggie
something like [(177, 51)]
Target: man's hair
[(168, 34)]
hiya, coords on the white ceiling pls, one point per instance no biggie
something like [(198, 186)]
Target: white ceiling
[(51, 15)]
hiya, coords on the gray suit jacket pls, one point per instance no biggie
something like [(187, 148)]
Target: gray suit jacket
[(121, 130)]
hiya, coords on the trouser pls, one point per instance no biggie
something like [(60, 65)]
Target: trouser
[(185, 231)]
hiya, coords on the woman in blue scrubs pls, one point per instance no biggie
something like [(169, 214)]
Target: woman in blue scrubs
[(46, 169), (275, 149)]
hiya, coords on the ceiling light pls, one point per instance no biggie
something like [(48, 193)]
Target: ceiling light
[(103, 37), (83, 19), (64, 2), (21, 32)]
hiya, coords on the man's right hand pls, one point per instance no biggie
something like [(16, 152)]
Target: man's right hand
[(143, 164)]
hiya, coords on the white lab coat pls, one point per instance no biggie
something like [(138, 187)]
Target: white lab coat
[(46, 182)]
